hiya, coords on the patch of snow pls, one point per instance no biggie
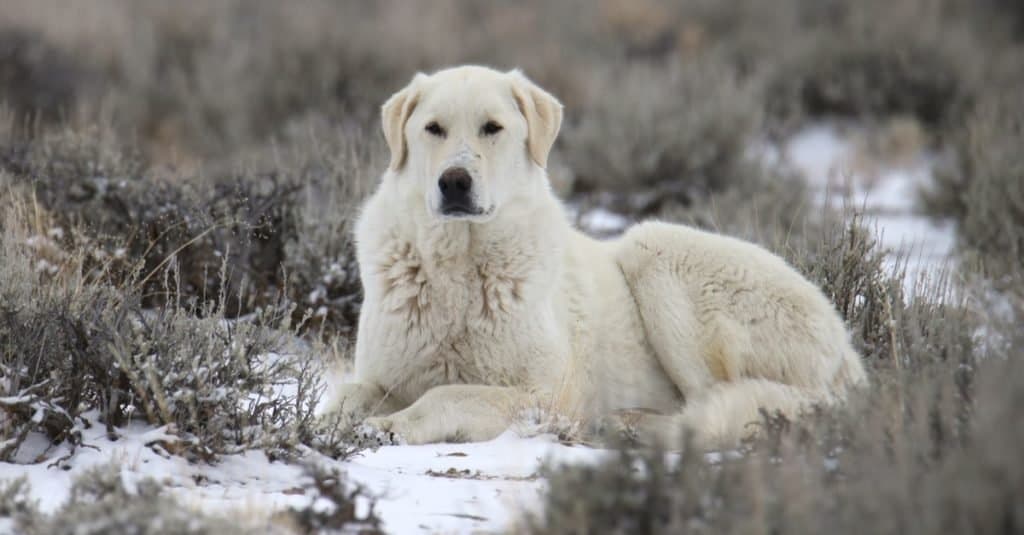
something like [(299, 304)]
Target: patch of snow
[(461, 487), (245, 476), (818, 152), (886, 193), (603, 222)]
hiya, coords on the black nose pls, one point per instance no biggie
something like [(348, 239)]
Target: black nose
[(455, 184)]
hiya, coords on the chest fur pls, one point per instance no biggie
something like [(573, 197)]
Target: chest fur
[(446, 295), (447, 318)]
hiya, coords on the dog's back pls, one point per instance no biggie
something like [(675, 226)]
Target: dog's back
[(735, 327)]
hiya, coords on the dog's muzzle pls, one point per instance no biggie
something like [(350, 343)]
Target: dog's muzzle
[(456, 187)]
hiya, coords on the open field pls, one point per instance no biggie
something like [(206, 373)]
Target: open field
[(177, 186)]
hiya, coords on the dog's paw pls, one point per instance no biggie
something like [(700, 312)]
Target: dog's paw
[(629, 427), (612, 431), (376, 432)]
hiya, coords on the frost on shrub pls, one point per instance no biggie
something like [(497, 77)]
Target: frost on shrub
[(50, 367), (220, 385), (338, 169)]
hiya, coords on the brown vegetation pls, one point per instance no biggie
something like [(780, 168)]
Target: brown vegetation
[(178, 181)]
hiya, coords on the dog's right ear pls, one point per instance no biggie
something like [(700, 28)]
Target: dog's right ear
[(543, 113), (394, 114)]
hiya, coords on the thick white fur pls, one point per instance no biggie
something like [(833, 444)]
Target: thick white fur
[(466, 320)]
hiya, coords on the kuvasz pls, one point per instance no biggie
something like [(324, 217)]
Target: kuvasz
[(481, 299)]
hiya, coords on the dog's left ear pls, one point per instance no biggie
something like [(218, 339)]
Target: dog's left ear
[(543, 114), (394, 114)]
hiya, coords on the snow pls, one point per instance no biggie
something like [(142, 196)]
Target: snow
[(602, 222), (135, 451), (460, 487), (482, 486), (433, 488)]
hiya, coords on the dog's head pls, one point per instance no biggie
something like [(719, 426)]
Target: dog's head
[(470, 139)]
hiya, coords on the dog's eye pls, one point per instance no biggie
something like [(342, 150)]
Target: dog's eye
[(435, 129), (490, 128)]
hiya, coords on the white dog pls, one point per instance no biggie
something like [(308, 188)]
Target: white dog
[(481, 299)]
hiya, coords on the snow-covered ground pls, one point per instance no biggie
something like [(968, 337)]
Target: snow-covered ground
[(485, 486), (462, 487), (437, 488)]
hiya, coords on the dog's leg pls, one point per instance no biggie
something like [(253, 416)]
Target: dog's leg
[(723, 415), (356, 401), (730, 412), (453, 413)]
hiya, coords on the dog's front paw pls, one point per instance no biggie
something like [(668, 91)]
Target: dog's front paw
[(377, 432)]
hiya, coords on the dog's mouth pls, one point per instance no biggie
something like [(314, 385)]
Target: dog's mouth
[(459, 210)]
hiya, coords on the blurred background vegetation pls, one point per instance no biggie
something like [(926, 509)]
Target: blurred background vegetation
[(165, 166)]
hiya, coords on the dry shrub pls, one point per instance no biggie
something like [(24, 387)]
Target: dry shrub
[(221, 385), (682, 129), (985, 192), (49, 367), (340, 515), (36, 78), (16, 505), (916, 458), (209, 76), (893, 326), (71, 343), (338, 169), (866, 60), (875, 59), (91, 181), (198, 79), (870, 65), (278, 220), (851, 270), (764, 205)]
